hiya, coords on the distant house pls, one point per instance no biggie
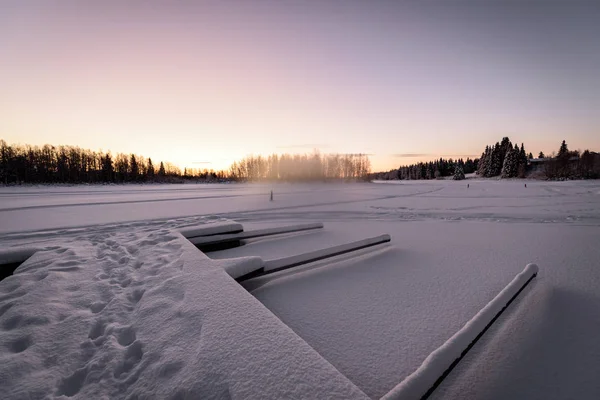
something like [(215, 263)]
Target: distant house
[(586, 165), (539, 164)]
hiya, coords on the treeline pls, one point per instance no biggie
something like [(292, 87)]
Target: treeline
[(569, 164), (503, 159), (508, 161), (302, 167), (71, 164), (431, 170)]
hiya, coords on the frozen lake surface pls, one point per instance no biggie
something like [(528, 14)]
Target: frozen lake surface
[(363, 321)]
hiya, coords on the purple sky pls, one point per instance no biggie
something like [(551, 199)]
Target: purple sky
[(212, 81)]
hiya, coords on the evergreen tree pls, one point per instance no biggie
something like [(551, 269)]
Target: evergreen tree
[(530, 156), (510, 167), (459, 174), (522, 162), (562, 161), (161, 170), (505, 146), (107, 168), (541, 155), (134, 170), (150, 170), (496, 162), (482, 167), (522, 155), (564, 150)]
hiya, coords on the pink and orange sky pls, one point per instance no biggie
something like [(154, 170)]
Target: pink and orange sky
[(204, 83)]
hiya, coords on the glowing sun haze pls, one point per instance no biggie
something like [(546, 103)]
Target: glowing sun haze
[(204, 83)]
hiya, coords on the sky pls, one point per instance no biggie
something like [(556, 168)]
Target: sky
[(204, 83)]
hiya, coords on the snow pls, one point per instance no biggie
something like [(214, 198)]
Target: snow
[(217, 239), (143, 314), (423, 379), (354, 325), (16, 255), (211, 230), (273, 265)]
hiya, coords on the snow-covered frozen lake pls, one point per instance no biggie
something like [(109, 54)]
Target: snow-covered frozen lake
[(372, 316)]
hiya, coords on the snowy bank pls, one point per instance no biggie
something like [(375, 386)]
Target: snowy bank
[(420, 382)]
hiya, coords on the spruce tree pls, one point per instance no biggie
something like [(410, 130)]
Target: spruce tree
[(510, 167), (459, 173), (505, 146), (486, 161), (150, 170), (496, 165), (107, 168), (134, 170), (480, 170), (563, 149), (522, 155)]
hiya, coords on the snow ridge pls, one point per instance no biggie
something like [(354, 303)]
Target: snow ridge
[(418, 384)]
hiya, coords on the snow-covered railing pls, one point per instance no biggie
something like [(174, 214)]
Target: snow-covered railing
[(421, 383)]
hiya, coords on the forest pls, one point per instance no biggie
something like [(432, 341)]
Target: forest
[(27, 164), (505, 160)]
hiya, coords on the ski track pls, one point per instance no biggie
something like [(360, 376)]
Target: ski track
[(103, 203), (138, 192)]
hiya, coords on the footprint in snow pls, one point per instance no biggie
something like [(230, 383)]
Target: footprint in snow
[(72, 384), (4, 308), (21, 344), (132, 356), (97, 306), (125, 335), (135, 296)]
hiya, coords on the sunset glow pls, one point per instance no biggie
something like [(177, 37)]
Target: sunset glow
[(202, 85)]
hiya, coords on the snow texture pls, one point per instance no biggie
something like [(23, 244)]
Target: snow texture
[(238, 269), (141, 313), (374, 314), (434, 366), (323, 253), (253, 234), (213, 229)]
